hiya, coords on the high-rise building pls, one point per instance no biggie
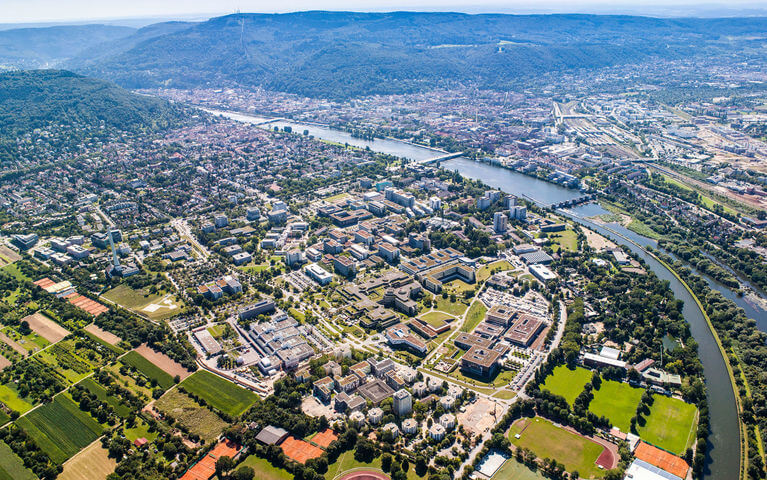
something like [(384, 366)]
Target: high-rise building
[(500, 222), (403, 402), (519, 212)]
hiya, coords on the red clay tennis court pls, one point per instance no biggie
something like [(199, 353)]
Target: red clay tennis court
[(206, 467), (662, 459), (324, 438), (44, 283), (299, 450), (84, 303)]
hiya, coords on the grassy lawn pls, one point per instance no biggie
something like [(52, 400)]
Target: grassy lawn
[(436, 319), (11, 466), (148, 369), (138, 300), (10, 398), (347, 462), (512, 469), (475, 315), (546, 440), (617, 401), (486, 271), (60, 428), (219, 393), (567, 383), (670, 425), (140, 430), (567, 240), (503, 378), (458, 286), (13, 270), (264, 470), (297, 315), (101, 393), (445, 305), (198, 419)]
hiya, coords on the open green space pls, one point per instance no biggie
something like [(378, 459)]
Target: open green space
[(198, 419), (148, 369), (347, 462), (548, 441), (139, 300), (567, 383), (670, 425), (101, 393), (512, 469), (436, 319), (299, 316), (60, 428), (140, 430), (11, 466), (220, 394), (501, 379), (458, 286), (474, 316), (11, 399), (264, 470), (445, 305), (486, 271), (4, 418), (566, 240), (13, 269), (617, 401)]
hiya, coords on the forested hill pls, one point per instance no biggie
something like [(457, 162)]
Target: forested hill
[(339, 54), (73, 108)]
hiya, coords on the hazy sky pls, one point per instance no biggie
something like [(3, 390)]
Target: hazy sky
[(16, 11)]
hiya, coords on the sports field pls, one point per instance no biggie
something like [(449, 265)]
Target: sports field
[(198, 419), (11, 466), (219, 393), (547, 440), (148, 369), (670, 425), (512, 469), (60, 428), (567, 383), (617, 401), (93, 463), (347, 462)]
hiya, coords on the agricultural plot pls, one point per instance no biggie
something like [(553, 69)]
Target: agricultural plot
[(60, 428), (567, 383), (69, 361), (152, 372), (670, 425), (220, 394), (93, 463), (11, 466), (167, 364), (45, 327), (549, 441), (108, 337), (198, 419), (11, 399), (617, 401), (101, 393)]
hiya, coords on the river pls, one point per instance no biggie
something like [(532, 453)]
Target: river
[(724, 448)]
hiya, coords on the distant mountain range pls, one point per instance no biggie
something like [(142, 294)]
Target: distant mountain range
[(342, 54)]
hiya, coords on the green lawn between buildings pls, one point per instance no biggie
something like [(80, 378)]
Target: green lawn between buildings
[(548, 441), (474, 316), (567, 383)]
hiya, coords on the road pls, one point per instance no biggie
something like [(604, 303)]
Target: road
[(183, 229)]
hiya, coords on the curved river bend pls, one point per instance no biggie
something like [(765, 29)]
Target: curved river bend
[(723, 457)]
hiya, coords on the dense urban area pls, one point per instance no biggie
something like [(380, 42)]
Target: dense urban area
[(561, 280)]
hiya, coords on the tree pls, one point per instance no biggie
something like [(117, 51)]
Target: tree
[(386, 460), (244, 473), (224, 465)]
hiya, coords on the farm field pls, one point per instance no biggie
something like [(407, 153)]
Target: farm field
[(617, 401), (153, 306), (547, 440), (60, 428), (220, 394), (10, 398), (101, 393), (198, 419), (567, 383), (148, 369), (45, 327), (11, 466), (670, 425), (108, 337), (167, 364), (93, 463)]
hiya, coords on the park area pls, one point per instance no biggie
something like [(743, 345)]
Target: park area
[(567, 383), (60, 428), (547, 440), (219, 393), (153, 306), (617, 401)]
